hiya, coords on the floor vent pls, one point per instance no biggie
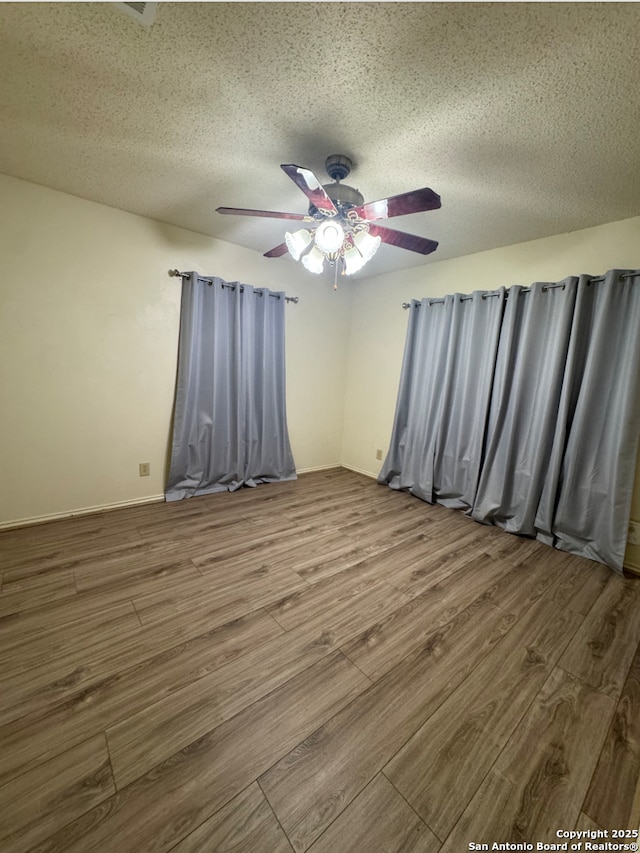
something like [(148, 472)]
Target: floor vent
[(145, 13)]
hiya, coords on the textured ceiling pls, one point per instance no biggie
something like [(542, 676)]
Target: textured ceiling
[(524, 117)]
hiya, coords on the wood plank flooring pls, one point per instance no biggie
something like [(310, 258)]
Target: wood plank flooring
[(324, 666)]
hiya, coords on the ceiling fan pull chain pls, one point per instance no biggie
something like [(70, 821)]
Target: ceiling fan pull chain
[(335, 275)]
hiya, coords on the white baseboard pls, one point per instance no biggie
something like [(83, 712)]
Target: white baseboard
[(90, 510), (318, 468), (631, 567), (359, 471)]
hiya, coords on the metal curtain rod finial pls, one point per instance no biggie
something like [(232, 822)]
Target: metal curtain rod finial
[(178, 274)]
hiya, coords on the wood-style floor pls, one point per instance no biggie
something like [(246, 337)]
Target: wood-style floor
[(325, 665)]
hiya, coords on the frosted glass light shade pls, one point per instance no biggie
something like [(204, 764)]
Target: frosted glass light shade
[(353, 260), (366, 244), (314, 260), (329, 236), (297, 242)]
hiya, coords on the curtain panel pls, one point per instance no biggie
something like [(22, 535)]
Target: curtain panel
[(527, 418), (230, 426), (445, 388)]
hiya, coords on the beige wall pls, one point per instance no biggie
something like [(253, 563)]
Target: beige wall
[(379, 324), (88, 345)]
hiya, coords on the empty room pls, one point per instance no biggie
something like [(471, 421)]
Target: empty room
[(320, 418)]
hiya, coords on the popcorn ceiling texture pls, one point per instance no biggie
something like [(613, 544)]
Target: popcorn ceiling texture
[(523, 116)]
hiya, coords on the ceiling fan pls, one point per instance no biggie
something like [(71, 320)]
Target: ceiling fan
[(342, 227)]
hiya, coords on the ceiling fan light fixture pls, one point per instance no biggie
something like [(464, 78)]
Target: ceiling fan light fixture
[(314, 260), (353, 260), (329, 237), (366, 244), (297, 242)]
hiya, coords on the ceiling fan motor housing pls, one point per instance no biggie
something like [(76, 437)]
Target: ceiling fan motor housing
[(344, 197)]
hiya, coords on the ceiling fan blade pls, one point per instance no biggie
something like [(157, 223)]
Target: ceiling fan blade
[(398, 205), (403, 240), (277, 251), (311, 187), (273, 214)]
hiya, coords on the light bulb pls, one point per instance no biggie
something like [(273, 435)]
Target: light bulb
[(353, 260), (297, 242), (329, 236), (366, 244), (314, 260)]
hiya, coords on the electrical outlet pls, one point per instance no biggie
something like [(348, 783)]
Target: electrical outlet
[(378, 454), (633, 537), (144, 468)]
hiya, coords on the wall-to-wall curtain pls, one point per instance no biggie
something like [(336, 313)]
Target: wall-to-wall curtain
[(532, 423), (230, 425)]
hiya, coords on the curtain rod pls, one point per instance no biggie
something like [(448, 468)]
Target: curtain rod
[(594, 279), (178, 274)]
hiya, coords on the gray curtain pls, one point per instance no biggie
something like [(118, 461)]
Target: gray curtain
[(445, 388), (530, 366), (230, 426), (596, 444), (555, 453)]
